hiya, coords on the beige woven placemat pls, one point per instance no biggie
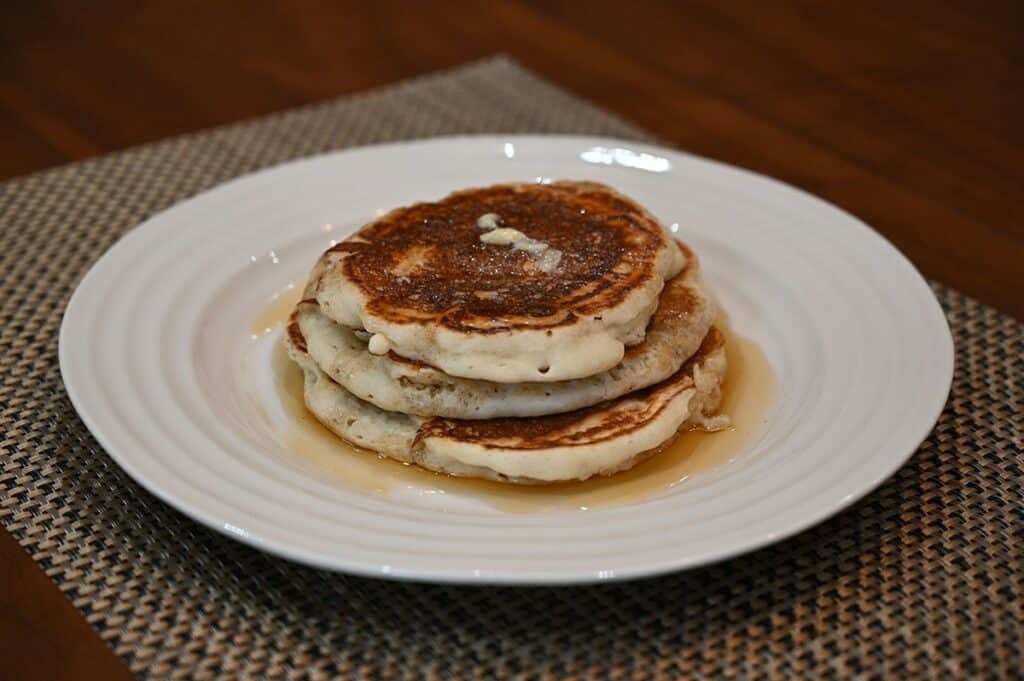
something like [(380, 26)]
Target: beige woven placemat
[(922, 579)]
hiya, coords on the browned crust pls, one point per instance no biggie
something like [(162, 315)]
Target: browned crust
[(609, 244), (562, 430), (294, 332), (675, 301)]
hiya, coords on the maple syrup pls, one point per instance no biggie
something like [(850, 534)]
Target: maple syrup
[(748, 392), (277, 311)]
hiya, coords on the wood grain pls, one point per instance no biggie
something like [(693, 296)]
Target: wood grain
[(42, 636), (904, 113)]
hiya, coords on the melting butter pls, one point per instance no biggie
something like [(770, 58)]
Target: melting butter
[(488, 221), (503, 236), (548, 258)]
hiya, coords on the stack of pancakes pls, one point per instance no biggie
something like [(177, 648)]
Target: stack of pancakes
[(527, 333)]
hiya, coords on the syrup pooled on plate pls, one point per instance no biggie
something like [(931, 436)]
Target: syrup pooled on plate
[(277, 311), (747, 395)]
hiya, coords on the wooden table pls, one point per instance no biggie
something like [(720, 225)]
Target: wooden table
[(906, 114)]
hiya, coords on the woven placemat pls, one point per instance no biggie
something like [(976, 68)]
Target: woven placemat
[(921, 579)]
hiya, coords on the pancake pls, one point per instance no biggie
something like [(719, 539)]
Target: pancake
[(503, 284), (682, 319), (599, 440)]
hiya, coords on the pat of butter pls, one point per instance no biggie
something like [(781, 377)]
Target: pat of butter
[(379, 344), (530, 246), (506, 236), (488, 221), (502, 236), (549, 261), (547, 258)]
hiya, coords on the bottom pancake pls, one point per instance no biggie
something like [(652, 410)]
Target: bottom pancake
[(599, 440)]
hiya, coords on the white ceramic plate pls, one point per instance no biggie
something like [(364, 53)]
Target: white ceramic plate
[(158, 359)]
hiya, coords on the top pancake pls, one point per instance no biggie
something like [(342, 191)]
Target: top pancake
[(428, 287)]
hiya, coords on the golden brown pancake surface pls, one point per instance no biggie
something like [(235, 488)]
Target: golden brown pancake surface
[(615, 419), (395, 383), (427, 261)]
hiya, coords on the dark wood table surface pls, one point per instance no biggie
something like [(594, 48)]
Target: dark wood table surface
[(907, 114)]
